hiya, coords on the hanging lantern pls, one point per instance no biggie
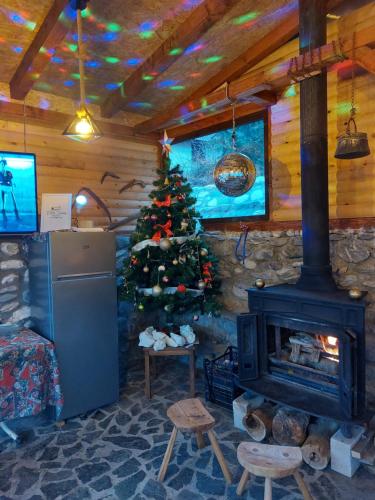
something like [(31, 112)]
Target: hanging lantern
[(352, 144), (234, 173), (82, 128)]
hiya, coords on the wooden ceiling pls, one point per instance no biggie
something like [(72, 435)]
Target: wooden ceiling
[(121, 35), (144, 56)]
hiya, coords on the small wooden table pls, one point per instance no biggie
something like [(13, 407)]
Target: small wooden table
[(170, 351)]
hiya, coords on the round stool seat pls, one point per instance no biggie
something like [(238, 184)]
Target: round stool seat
[(267, 460), (190, 415)]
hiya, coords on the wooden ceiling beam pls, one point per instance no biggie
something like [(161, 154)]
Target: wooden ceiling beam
[(51, 33), (202, 18), (14, 111), (277, 78), (365, 57), (191, 129)]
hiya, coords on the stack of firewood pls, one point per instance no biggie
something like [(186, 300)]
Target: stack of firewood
[(290, 427)]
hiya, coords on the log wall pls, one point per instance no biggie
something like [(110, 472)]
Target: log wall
[(351, 182), (64, 166)]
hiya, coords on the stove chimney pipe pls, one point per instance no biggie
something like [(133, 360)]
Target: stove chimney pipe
[(316, 272)]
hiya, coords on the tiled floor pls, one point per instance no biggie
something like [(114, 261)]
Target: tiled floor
[(116, 452)]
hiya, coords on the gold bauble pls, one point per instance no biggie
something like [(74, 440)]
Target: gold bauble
[(234, 174), (260, 283), (175, 262), (157, 290), (141, 307), (355, 293), (204, 252), (146, 269), (165, 244)]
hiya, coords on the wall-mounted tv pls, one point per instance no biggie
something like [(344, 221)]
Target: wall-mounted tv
[(18, 193)]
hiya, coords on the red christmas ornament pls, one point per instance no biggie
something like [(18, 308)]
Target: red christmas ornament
[(134, 261), (181, 288), (178, 183), (180, 197)]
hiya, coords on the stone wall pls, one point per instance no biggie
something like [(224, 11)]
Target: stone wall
[(276, 257), (14, 282)]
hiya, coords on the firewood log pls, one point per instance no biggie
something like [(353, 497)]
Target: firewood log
[(289, 427), (258, 422), (316, 448)]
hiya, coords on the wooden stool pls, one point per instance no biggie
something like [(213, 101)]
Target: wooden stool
[(170, 351), (190, 415), (270, 462)]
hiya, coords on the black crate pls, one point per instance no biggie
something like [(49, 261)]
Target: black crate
[(220, 378)]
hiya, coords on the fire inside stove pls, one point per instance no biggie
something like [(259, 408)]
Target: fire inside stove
[(308, 358)]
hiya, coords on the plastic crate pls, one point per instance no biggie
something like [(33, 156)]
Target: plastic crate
[(220, 378)]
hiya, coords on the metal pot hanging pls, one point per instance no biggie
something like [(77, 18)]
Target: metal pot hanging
[(352, 144)]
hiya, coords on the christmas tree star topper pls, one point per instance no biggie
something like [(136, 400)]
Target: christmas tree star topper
[(166, 143)]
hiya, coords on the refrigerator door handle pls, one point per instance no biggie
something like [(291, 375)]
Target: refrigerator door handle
[(101, 274)]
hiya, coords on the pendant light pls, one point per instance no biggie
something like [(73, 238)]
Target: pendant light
[(352, 144), (234, 173), (83, 128)]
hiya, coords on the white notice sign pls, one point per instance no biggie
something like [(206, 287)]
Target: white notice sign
[(56, 212)]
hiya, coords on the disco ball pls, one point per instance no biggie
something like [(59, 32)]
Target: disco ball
[(234, 174)]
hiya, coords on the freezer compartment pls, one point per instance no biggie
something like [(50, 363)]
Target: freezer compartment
[(86, 339), (77, 254)]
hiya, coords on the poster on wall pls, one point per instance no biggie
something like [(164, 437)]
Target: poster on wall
[(56, 212), (18, 197), (198, 157)]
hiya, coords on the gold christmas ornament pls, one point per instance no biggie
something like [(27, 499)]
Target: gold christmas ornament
[(168, 308), (161, 268), (204, 252), (141, 307), (184, 225), (165, 244), (157, 290), (260, 283), (146, 269), (175, 262), (355, 293)]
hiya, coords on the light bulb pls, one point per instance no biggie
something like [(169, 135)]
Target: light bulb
[(83, 127), (81, 200)]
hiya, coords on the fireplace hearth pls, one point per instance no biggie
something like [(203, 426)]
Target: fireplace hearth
[(305, 349)]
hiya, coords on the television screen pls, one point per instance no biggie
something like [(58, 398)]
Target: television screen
[(18, 195), (198, 157)]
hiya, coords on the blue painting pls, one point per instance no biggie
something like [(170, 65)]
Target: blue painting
[(198, 157)]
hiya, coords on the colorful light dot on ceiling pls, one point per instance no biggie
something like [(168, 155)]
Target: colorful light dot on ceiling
[(93, 64), (175, 52), (109, 37), (167, 83), (112, 86), (86, 13), (133, 61), (290, 91), (343, 108), (142, 105), (17, 50), (113, 27), (75, 76), (146, 34), (93, 97), (147, 78), (177, 87), (44, 103), (57, 60), (73, 47), (69, 83), (212, 59), (245, 18), (194, 48), (112, 60)]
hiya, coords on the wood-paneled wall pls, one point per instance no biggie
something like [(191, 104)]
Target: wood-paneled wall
[(351, 182), (64, 166)]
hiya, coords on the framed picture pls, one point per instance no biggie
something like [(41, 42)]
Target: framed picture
[(198, 156)]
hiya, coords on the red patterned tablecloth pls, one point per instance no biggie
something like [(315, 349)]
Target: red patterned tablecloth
[(29, 375)]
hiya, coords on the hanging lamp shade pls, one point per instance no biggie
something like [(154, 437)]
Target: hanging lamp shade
[(83, 128)]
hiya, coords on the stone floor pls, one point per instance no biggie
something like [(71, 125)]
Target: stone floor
[(115, 453)]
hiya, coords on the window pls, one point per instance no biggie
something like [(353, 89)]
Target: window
[(198, 156)]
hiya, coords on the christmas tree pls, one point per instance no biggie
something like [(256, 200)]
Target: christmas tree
[(169, 266)]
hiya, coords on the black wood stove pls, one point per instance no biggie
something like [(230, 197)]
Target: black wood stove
[(304, 344)]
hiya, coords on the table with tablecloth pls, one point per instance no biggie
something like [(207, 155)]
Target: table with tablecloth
[(29, 375)]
